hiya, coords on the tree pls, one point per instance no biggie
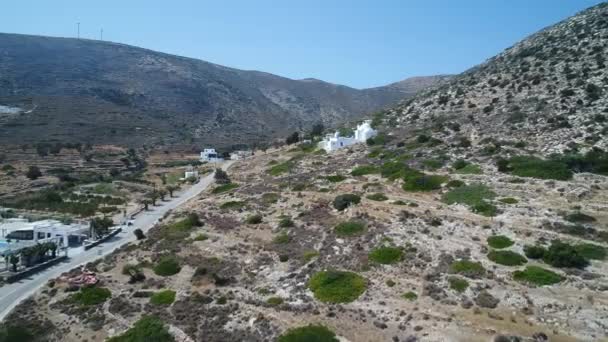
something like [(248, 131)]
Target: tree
[(33, 173), (145, 202), (14, 260), (100, 226), (162, 193), (317, 129), (53, 249), (171, 189), (139, 234), (153, 196), (221, 177), (293, 138)]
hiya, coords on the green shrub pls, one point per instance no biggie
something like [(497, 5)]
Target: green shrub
[(474, 195), (166, 297), (525, 166), (309, 255), (424, 183), (458, 284), (232, 205), (201, 237), (579, 217), (534, 252), (507, 258), (337, 286), (274, 301), (15, 333), (386, 255), (455, 183), (467, 268), (148, 328), (167, 266), (499, 241), (281, 168), (459, 164), (350, 228), (508, 200), (537, 276), (286, 222), (390, 283), (364, 170), (254, 219), (92, 295), (591, 251), (342, 202), (281, 239), (224, 188), (561, 254), (309, 333), (397, 169), (470, 169), (432, 164), (270, 198), (377, 197), (409, 296), (335, 178), (299, 187)]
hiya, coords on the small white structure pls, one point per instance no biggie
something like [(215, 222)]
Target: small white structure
[(190, 172), (334, 141), (24, 232), (210, 155), (238, 155)]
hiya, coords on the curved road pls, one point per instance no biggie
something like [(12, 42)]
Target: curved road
[(13, 294)]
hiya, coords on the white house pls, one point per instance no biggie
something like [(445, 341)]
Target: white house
[(210, 155), (42, 231), (334, 141)]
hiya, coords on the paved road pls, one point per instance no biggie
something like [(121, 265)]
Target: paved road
[(13, 294)]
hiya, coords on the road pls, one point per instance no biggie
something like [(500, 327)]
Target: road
[(13, 294)]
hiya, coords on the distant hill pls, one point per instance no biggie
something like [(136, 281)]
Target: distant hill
[(549, 91), (64, 89)]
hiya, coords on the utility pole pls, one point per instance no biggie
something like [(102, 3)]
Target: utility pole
[(78, 34)]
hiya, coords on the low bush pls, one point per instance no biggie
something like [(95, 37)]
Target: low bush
[(474, 195), (468, 268), (337, 286), (458, 284), (526, 166), (15, 333), (148, 328), (561, 254), (309, 333), (364, 170), (409, 296), (424, 183), (455, 183), (91, 295), (398, 169), (270, 198), (499, 241), (470, 169), (534, 252), (254, 219), (507, 258), (386, 255), (286, 222), (350, 228), (167, 266), (591, 251), (537, 276), (459, 164), (166, 297), (282, 238), (342, 202), (274, 301), (201, 237), (224, 188), (377, 197), (335, 178), (233, 205), (281, 168), (579, 217), (508, 200), (309, 255)]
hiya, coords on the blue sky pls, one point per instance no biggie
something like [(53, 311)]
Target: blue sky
[(357, 43)]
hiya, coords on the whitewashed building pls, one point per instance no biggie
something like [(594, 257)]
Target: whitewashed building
[(210, 155), (334, 141), (22, 232)]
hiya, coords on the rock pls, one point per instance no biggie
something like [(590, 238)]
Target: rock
[(485, 300)]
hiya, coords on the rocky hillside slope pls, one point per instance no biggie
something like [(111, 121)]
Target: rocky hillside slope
[(550, 90), (82, 90)]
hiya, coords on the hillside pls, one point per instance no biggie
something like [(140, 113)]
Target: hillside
[(550, 90), (67, 89)]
